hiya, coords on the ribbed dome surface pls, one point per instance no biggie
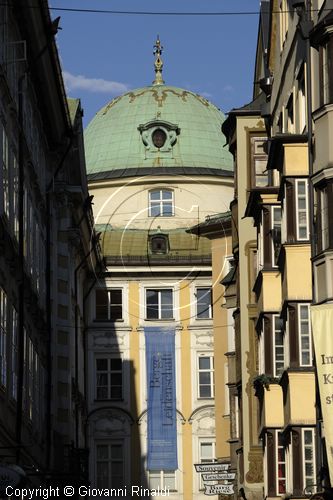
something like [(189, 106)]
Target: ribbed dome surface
[(113, 140)]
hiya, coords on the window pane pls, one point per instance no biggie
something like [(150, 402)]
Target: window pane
[(101, 304), (116, 297), (169, 480), (102, 451), (155, 209), (206, 450), (152, 304), (166, 304), (167, 209), (154, 480), (167, 195), (102, 393), (116, 312), (204, 363), (102, 364), (204, 377), (154, 195), (116, 363)]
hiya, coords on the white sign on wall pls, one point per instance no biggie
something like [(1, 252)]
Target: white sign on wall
[(216, 489)]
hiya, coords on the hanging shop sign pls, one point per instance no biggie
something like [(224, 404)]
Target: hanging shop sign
[(219, 489), (218, 476), (212, 467)]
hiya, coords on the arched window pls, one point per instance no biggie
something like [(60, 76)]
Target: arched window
[(161, 203)]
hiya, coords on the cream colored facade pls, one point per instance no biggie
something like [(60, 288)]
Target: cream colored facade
[(124, 208)]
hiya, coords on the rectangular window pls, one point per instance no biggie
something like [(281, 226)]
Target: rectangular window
[(206, 454), (290, 114), (280, 464), (109, 305), (159, 304), (206, 376), (5, 172), (302, 209), (278, 345), (204, 303), (259, 162), (324, 219), (301, 101), (162, 479), (161, 203), (3, 337), (309, 467), (304, 335), (15, 196), (109, 378), (110, 465), (326, 68), (14, 367), (276, 234)]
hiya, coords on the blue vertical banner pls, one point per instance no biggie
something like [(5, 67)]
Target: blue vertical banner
[(161, 392)]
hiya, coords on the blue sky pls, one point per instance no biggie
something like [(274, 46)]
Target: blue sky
[(103, 55)]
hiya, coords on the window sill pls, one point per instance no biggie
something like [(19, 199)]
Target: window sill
[(210, 398), (160, 320)]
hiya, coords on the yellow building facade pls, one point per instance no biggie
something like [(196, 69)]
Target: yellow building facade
[(156, 168)]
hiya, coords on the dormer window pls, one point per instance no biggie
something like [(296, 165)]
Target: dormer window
[(161, 203), (159, 244)]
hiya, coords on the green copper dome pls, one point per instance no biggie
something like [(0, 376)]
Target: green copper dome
[(156, 126)]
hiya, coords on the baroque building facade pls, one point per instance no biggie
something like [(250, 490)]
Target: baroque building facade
[(156, 168)]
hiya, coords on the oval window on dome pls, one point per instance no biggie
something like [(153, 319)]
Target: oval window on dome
[(159, 137)]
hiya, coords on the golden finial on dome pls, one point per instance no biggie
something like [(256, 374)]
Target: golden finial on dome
[(158, 62)]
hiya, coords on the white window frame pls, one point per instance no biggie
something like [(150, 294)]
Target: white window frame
[(300, 350), (289, 466), (159, 304), (109, 373), (261, 352), (273, 225), (304, 460), (210, 370), (305, 210), (324, 218), (160, 476), (109, 290), (277, 462), (161, 202), (302, 105), (275, 346), (211, 441), (209, 309)]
